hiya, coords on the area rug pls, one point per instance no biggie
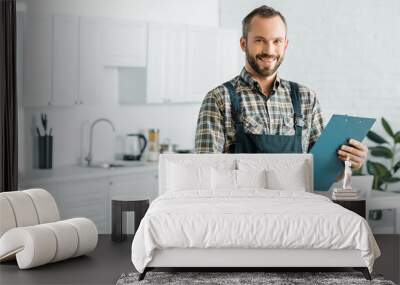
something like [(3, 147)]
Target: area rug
[(243, 278)]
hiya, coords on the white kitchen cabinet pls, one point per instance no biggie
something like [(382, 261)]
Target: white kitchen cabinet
[(76, 61), (82, 198), (230, 56), (186, 62), (65, 60), (124, 43), (61, 61), (166, 68), (51, 54), (89, 62), (38, 32), (202, 62)]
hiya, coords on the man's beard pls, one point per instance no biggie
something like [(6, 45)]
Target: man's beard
[(266, 71)]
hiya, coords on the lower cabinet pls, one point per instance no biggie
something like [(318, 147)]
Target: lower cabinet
[(82, 198), (91, 198)]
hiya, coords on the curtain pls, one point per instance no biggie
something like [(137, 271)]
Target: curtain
[(8, 98)]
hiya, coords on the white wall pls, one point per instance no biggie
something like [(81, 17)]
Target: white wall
[(347, 51)]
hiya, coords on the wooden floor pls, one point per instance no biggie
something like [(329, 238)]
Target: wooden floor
[(111, 259)]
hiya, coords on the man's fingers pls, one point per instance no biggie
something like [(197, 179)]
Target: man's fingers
[(356, 152), (343, 156), (358, 144), (351, 151)]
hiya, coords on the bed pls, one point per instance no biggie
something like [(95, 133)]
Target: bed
[(245, 211)]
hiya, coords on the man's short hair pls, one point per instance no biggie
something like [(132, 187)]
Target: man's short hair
[(262, 11)]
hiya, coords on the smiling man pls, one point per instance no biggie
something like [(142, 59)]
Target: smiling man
[(259, 112)]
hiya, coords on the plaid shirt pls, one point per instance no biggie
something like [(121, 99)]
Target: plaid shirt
[(260, 114)]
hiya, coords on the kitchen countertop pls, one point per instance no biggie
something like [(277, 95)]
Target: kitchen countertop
[(77, 172)]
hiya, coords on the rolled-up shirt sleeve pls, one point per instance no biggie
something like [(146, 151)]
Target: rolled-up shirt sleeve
[(210, 136)]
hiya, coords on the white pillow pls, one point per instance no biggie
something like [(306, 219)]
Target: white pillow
[(192, 174), (227, 179), (251, 178), (223, 179), (282, 174), (294, 181), (183, 177)]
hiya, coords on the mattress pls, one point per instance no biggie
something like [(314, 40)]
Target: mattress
[(251, 219)]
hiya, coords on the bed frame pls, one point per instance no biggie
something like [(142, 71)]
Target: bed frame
[(248, 259)]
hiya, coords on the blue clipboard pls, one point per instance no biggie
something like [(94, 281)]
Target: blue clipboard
[(341, 128)]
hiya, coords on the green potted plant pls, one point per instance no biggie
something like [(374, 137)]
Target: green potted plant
[(384, 172)]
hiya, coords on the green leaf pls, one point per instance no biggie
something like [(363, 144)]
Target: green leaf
[(397, 137), (381, 151), (370, 168), (377, 184), (375, 137), (396, 166), (391, 179), (377, 169), (387, 127)]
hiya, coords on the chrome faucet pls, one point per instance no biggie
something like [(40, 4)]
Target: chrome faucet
[(89, 157)]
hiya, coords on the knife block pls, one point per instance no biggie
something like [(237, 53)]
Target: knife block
[(45, 152)]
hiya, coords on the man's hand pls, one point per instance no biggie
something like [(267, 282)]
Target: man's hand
[(357, 153)]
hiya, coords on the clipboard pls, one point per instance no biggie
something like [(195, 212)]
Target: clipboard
[(340, 128)]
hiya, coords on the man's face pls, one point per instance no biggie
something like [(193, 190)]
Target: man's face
[(265, 45)]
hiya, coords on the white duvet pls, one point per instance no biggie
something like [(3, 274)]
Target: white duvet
[(250, 219)]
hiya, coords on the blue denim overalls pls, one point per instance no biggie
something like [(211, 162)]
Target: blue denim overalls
[(263, 143)]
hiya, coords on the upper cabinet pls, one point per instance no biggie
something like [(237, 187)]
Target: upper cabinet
[(166, 69), (185, 62), (230, 56), (65, 55), (61, 66), (37, 61), (202, 62), (124, 43), (65, 60), (90, 67)]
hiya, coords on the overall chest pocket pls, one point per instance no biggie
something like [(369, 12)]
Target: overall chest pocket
[(287, 125), (253, 124)]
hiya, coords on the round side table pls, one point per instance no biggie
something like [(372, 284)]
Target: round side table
[(121, 204)]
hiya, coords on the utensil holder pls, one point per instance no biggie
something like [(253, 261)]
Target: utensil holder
[(45, 152)]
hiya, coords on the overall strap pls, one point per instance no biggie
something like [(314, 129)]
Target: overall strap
[(235, 105), (298, 117)]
